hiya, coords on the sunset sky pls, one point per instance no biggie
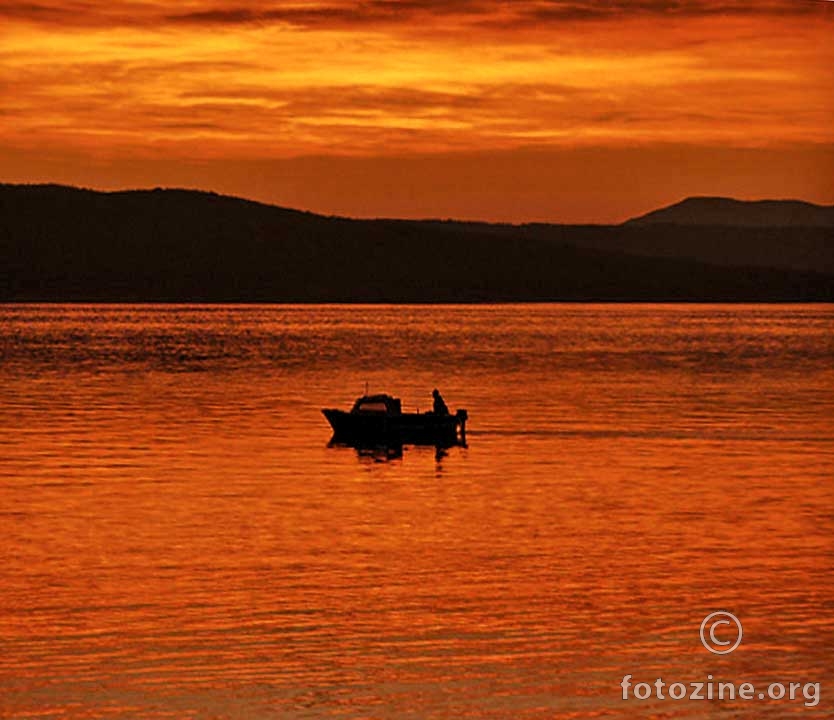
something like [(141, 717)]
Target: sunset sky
[(493, 109)]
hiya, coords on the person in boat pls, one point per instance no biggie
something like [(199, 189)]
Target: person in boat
[(439, 405)]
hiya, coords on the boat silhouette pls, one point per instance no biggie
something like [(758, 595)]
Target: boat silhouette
[(378, 420)]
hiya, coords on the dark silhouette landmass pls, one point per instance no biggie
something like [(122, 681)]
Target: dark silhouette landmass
[(739, 213), (65, 244)]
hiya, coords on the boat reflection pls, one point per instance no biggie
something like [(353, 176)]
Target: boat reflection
[(383, 452)]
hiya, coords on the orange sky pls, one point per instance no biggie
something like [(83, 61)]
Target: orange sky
[(523, 110)]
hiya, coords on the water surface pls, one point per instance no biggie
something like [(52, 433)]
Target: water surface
[(180, 542)]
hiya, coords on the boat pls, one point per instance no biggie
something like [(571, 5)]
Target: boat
[(378, 421)]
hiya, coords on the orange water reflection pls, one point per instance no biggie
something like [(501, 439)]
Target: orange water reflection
[(179, 541)]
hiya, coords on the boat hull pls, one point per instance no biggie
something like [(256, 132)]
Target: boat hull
[(380, 429)]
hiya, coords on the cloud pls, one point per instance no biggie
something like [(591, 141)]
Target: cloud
[(342, 14), (619, 9), (519, 12), (314, 80), (80, 13)]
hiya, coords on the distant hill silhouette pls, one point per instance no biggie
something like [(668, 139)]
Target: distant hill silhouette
[(65, 244), (739, 213)]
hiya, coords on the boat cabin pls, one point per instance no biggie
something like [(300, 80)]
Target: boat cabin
[(377, 405)]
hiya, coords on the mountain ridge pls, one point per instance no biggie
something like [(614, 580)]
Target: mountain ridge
[(70, 244), (793, 212), (714, 210)]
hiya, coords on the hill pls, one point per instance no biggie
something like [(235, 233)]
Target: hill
[(739, 213), (66, 244)]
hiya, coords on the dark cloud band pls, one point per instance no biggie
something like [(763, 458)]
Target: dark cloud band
[(353, 13)]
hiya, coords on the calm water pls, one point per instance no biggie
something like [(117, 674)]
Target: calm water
[(178, 541)]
